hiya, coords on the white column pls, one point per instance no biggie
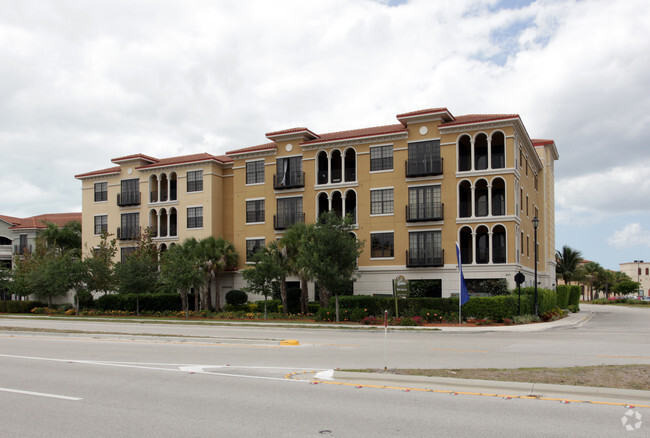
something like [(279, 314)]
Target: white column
[(473, 247), (472, 188), (489, 195), (489, 152), (472, 153)]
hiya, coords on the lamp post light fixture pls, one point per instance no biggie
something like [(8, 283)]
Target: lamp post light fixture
[(535, 225)]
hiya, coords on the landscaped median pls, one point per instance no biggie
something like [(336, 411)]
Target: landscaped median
[(364, 309)]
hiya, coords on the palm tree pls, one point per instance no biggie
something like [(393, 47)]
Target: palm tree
[(589, 272), (278, 254), (567, 261), (216, 255)]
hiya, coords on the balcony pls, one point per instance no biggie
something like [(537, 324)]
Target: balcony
[(421, 259), (291, 181), (130, 233), (423, 213), (427, 167), (283, 222), (498, 255), (5, 250), (126, 199)]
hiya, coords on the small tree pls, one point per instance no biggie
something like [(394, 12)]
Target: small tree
[(100, 266), (626, 287), (265, 272), (299, 241), (216, 255), (335, 252), (138, 273), (180, 270)]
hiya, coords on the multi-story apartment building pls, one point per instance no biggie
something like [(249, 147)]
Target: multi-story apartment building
[(638, 271), (18, 235), (414, 189)]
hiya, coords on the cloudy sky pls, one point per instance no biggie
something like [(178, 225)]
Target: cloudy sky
[(82, 82)]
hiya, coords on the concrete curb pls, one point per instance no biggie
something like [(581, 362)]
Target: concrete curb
[(498, 388)]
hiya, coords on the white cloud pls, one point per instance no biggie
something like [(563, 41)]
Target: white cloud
[(631, 235)]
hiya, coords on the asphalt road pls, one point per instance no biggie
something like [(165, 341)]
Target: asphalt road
[(232, 380)]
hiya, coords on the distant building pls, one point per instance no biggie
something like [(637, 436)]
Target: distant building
[(414, 189), (18, 235), (640, 272)]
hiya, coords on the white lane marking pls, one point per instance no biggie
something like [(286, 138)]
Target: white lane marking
[(40, 394), (198, 369), (325, 375)]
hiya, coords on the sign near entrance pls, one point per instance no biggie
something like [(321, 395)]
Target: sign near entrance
[(401, 287)]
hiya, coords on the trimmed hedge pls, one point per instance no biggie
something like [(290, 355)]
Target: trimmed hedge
[(563, 296), (574, 296), (20, 306), (148, 302)]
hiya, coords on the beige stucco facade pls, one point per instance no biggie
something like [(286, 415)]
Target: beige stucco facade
[(414, 188)]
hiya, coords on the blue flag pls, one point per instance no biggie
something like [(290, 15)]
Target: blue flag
[(464, 295)]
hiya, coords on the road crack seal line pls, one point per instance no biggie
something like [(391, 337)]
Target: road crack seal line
[(291, 376)]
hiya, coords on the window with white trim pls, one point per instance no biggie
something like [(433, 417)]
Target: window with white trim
[(381, 201), (194, 217)]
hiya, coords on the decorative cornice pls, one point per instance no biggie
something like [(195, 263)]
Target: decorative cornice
[(355, 141), (479, 126)]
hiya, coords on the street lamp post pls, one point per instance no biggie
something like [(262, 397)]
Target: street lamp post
[(535, 225)]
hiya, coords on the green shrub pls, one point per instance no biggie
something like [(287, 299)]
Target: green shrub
[(148, 302), (239, 308), (325, 314), (236, 297), (271, 305), (574, 296), (573, 308), (19, 306), (563, 293), (525, 319)]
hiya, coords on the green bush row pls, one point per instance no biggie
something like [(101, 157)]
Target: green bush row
[(148, 302), (19, 306)]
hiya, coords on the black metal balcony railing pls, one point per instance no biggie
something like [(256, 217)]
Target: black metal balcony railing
[(282, 222), (153, 197), (290, 181), (22, 249), (421, 213), (422, 258), (130, 233), (128, 198), (426, 167)]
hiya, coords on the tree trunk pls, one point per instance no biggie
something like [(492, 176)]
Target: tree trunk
[(204, 293), (283, 295), (49, 301), (184, 302), (208, 294), (217, 293), (324, 296), (336, 299), (137, 304), (304, 296), (196, 299)]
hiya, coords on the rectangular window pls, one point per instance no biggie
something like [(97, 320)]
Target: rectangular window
[(129, 226), (425, 249), (129, 192), (522, 243), (255, 172), (255, 211), (252, 246), (536, 212), (195, 181), (536, 183), (289, 173), (194, 217), (381, 158), (101, 191), (125, 252), (527, 206), (101, 224), (381, 245), (424, 204), (521, 196), (424, 159), (527, 246), (289, 212), (381, 201), (23, 244)]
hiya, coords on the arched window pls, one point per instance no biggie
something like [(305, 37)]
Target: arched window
[(322, 163), (163, 222), (498, 150), (153, 188), (164, 188), (480, 152), (498, 197), (482, 245), (350, 165), (481, 198), (464, 153), (466, 256), (499, 244), (351, 204), (173, 222), (173, 187), (464, 199), (337, 203), (153, 223), (336, 165), (323, 203)]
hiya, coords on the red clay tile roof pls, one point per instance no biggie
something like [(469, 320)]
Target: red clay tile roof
[(259, 147), (541, 141), (290, 131), (115, 169), (477, 118), (424, 112), (59, 219), (10, 219), (135, 157), (186, 159), (357, 133)]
